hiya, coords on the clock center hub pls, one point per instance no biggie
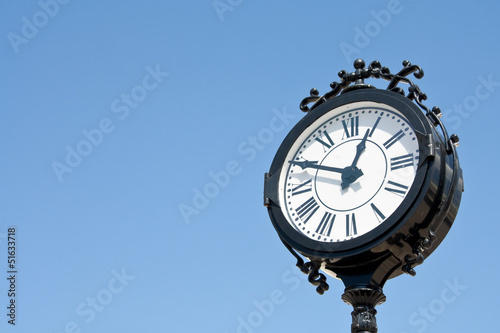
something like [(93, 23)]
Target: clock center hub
[(364, 180)]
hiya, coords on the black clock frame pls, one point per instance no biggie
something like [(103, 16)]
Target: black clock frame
[(414, 230), (334, 250)]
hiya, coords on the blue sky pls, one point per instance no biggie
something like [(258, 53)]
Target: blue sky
[(117, 115)]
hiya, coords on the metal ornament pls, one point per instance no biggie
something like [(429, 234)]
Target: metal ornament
[(411, 233), (363, 301)]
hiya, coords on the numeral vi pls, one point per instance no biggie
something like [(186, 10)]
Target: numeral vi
[(350, 225)]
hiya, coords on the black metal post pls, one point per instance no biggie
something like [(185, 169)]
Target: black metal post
[(363, 300)]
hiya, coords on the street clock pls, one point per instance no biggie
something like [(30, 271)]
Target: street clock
[(365, 186)]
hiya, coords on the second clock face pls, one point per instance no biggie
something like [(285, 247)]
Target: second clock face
[(348, 171)]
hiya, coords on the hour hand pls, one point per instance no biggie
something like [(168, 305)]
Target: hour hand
[(314, 165)]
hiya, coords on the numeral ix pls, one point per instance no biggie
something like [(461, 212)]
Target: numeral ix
[(302, 188)]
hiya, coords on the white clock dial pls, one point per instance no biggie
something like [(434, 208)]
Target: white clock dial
[(348, 171)]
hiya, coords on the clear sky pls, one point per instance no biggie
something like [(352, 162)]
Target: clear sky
[(118, 116)]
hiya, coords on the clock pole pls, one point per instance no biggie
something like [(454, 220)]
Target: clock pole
[(363, 300)]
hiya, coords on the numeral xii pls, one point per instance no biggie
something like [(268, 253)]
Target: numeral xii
[(351, 127)]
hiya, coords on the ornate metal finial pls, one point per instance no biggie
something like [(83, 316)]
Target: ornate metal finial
[(355, 80)]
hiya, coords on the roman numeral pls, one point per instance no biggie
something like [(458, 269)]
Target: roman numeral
[(394, 139), (302, 188), (378, 213), (350, 225), (401, 162), (396, 188), (374, 126), (326, 224), (351, 127), (307, 209), (328, 138)]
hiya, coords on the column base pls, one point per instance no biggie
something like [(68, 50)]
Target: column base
[(363, 300)]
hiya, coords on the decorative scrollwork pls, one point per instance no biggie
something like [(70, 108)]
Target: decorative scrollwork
[(418, 253), (355, 80), (374, 70), (310, 268), (315, 278)]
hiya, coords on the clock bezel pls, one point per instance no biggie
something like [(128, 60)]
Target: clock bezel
[(415, 117)]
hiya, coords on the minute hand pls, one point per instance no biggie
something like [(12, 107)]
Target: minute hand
[(314, 165), (360, 148)]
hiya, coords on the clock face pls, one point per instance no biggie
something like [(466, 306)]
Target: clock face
[(348, 171)]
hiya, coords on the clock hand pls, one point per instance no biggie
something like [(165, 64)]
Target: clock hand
[(360, 148), (314, 165), (349, 174), (352, 173)]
